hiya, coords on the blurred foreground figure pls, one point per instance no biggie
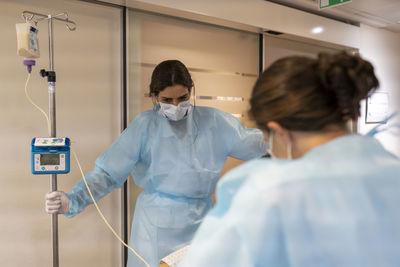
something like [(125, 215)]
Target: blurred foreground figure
[(328, 198)]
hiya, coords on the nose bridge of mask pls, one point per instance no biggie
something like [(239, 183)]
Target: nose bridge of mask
[(184, 104), (168, 108)]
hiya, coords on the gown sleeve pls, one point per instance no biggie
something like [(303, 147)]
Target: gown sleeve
[(241, 142), (111, 169)]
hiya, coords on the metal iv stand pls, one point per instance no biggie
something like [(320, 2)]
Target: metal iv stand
[(51, 78)]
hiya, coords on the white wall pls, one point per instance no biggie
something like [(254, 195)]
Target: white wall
[(87, 63), (381, 48)]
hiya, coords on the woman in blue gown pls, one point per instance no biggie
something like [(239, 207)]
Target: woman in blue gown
[(175, 152), (328, 198)]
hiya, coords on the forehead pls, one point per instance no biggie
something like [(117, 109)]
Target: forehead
[(174, 91)]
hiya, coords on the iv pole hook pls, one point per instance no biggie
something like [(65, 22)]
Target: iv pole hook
[(29, 16)]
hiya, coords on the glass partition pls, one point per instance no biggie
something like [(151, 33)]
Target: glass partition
[(223, 64), (276, 47)]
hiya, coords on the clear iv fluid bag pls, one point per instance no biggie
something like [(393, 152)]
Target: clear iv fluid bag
[(28, 43)]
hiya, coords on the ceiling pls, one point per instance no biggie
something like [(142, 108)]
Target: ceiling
[(377, 13)]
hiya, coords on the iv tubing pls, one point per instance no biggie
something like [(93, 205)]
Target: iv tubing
[(84, 179), (101, 214), (30, 100)]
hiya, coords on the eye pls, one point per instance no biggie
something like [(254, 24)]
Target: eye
[(183, 98), (166, 100)]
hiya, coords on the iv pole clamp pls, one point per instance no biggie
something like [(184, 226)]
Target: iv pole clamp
[(34, 17), (51, 76)]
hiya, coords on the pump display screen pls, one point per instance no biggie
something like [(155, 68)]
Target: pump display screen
[(49, 159)]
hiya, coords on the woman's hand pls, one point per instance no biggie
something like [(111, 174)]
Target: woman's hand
[(57, 202)]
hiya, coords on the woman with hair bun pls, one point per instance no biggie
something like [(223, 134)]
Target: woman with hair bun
[(328, 198)]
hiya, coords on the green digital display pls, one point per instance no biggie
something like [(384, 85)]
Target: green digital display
[(49, 159)]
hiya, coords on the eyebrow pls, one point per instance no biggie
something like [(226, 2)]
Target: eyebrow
[(179, 97), (184, 96)]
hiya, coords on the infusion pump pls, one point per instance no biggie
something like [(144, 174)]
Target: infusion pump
[(50, 155)]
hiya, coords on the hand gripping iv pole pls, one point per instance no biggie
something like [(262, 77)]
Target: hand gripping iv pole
[(51, 78)]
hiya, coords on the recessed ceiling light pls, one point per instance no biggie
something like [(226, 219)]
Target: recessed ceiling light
[(317, 30)]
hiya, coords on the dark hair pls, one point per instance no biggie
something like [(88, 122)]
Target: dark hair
[(306, 94), (170, 73)]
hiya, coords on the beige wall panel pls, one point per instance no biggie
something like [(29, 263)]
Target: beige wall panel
[(87, 63), (197, 45)]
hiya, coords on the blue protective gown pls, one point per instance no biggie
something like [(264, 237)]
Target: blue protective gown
[(178, 164), (338, 205)]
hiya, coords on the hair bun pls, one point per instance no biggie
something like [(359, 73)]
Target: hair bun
[(349, 77)]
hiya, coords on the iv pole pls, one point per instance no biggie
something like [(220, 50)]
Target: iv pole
[(51, 78)]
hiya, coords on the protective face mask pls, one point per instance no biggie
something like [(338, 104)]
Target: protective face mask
[(271, 142), (173, 112)]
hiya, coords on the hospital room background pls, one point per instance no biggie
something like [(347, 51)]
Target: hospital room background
[(103, 72)]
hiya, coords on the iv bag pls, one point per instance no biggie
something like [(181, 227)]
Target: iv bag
[(28, 43)]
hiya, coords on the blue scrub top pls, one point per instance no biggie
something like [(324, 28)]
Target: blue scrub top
[(338, 205), (178, 164)]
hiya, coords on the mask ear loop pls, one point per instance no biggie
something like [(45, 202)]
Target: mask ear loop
[(194, 96), (193, 111), (271, 146), (154, 99), (289, 150), (271, 142)]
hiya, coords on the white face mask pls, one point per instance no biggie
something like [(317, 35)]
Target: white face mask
[(173, 112), (271, 142)]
